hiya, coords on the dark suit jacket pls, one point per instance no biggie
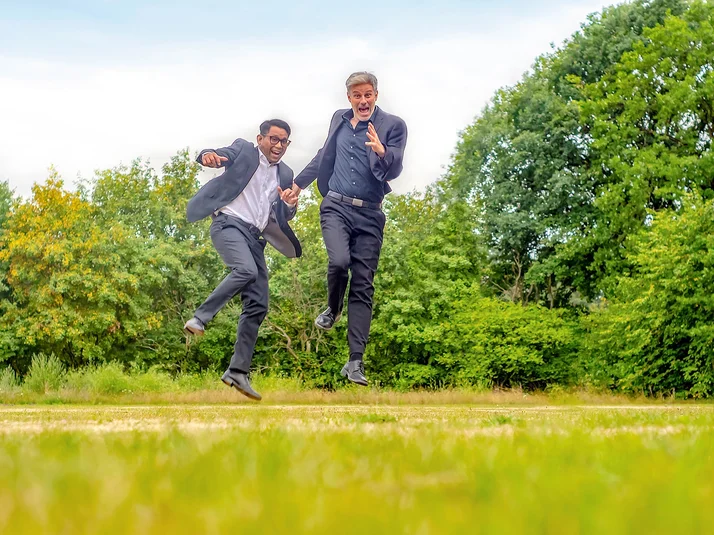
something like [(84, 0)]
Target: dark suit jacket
[(392, 132), (239, 169)]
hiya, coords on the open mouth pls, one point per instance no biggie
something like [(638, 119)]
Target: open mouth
[(363, 110), (276, 152)]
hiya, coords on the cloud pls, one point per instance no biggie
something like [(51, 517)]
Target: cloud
[(80, 118)]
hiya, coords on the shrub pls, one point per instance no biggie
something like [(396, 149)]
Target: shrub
[(8, 380), (488, 342), (106, 378), (46, 373), (656, 334)]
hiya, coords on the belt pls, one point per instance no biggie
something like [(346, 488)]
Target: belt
[(255, 231), (355, 202)]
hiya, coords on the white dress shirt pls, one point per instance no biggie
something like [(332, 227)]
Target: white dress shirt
[(254, 202)]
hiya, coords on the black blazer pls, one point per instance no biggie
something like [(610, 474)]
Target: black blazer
[(239, 169), (392, 132)]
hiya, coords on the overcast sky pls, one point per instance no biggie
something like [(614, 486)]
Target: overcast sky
[(88, 85)]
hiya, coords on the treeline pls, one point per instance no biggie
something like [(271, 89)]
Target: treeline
[(568, 243)]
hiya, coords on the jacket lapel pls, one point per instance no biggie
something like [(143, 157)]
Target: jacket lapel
[(253, 163), (284, 177), (378, 122), (334, 127)]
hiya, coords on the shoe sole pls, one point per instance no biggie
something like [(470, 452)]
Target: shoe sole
[(345, 374), (327, 328), (231, 384), (323, 328), (188, 331)]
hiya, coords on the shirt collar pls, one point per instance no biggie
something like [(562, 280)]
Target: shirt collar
[(264, 160)]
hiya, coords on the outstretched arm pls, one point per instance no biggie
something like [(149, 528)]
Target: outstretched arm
[(309, 174), (224, 156)]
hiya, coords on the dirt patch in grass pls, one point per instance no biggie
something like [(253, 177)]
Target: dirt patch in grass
[(402, 420)]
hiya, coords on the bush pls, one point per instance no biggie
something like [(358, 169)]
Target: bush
[(153, 380), (103, 379), (489, 342), (483, 342), (45, 374), (8, 380), (657, 333)]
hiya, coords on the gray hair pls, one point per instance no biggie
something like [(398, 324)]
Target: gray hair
[(362, 77)]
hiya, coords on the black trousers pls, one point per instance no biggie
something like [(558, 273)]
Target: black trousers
[(353, 238), (243, 251)]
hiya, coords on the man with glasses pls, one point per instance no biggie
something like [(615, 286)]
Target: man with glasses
[(250, 203), (362, 153)]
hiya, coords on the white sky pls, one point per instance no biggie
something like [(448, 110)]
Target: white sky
[(81, 116)]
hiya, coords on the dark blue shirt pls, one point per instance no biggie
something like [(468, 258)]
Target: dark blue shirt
[(352, 176)]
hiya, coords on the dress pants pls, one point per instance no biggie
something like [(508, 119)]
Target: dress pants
[(353, 238), (243, 251)]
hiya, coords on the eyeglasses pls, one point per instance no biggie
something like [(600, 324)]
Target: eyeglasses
[(275, 139)]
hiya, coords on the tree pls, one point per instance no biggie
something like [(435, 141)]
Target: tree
[(525, 161), (8, 343), (76, 288), (184, 265), (655, 336), (652, 128), (431, 254), (6, 201)]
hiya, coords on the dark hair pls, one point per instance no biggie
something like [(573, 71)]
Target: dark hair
[(265, 126)]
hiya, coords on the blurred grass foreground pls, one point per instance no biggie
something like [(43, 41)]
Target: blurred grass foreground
[(103, 450), (356, 468)]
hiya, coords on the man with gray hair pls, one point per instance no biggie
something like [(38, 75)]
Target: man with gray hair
[(362, 153)]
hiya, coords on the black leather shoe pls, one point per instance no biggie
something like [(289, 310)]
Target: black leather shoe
[(239, 381), (354, 371), (194, 326), (327, 319)]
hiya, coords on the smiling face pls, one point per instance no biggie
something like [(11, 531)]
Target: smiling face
[(363, 99), (273, 144)]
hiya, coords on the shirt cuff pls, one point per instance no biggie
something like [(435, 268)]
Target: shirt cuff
[(291, 206)]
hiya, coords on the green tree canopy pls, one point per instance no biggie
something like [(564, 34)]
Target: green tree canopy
[(526, 161)]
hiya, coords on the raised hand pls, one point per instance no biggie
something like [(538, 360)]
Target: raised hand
[(374, 142), (288, 196), (211, 159)]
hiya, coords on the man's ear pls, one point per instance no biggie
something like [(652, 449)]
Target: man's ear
[(259, 138)]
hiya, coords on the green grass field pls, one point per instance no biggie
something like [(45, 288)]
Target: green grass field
[(360, 468)]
